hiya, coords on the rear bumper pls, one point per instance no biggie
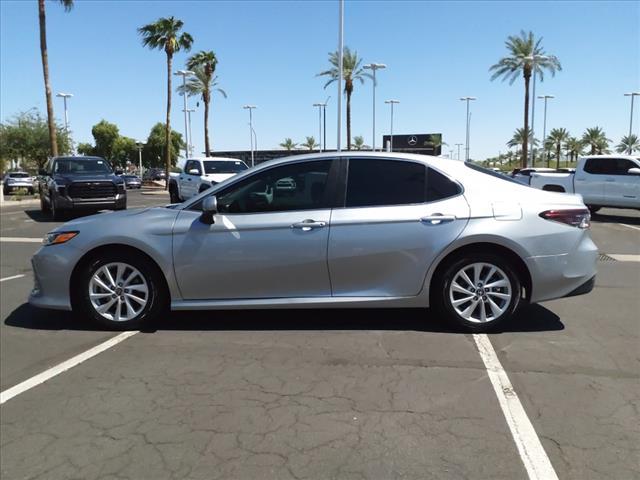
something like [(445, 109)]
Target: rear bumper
[(13, 186), (564, 275)]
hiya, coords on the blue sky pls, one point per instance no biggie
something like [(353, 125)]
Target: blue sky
[(269, 53)]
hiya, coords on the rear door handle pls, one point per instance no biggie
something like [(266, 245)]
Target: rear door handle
[(437, 219), (308, 224)]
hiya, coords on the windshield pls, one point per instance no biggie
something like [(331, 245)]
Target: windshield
[(221, 166), (81, 166), (492, 173), (19, 175)]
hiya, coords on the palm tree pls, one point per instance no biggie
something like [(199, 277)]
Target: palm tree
[(628, 144), (523, 50), (596, 139), (203, 83), (557, 137), (351, 71), (358, 143), (164, 34), (519, 138), (288, 144), (573, 148), (53, 139), (309, 143)]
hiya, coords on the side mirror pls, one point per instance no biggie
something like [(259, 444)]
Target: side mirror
[(209, 210), (634, 171), (193, 171), (42, 172), (119, 171)]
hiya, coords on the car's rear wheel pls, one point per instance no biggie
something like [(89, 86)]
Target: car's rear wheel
[(173, 194), (478, 292), (121, 291)]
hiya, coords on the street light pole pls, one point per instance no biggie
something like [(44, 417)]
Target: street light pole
[(319, 105), (251, 131), (340, 72), (459, 145), (190, 145), (467, 99), (140, 145), (544, 128), (630, 94), (392, 103), (64, 97), (373, 67), (184, 74)]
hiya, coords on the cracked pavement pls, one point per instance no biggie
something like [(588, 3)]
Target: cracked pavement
[(341, 394)]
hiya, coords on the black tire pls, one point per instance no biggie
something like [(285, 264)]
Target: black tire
[(6, 191), (57, 214), (173, 194), (442, 294), (157, 300), (121, 207), (44, 206), (593, 208)]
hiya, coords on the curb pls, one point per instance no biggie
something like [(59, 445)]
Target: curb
[(15, 203), (161, 192)]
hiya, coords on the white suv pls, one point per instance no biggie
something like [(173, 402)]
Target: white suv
[(202, 173)]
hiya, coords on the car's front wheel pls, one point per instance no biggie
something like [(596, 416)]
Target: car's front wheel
[(121, 291), (478, 292)]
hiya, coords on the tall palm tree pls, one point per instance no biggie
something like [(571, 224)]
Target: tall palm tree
[(351, 71), (520, 138), (628, 144), (358, 143), (203, 83), (288, 144), (557, 137), (523, 50), (573, 147), (53, 139), (164, 34), (596, 139), (310, 143)]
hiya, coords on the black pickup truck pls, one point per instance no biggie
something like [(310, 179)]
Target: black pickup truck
[(80, 183)]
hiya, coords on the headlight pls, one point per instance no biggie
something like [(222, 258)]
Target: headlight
[(56, 238)]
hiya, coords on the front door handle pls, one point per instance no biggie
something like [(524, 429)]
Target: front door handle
[(437, 219), (610, 180), (308, 224)]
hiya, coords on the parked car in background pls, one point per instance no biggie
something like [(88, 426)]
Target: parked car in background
[(14, 181), (132, 181), (367, 229), (200, 174), (80, 183), (154, 174), (602, 180)]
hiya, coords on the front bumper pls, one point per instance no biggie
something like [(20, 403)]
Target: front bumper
[(52, 268), (67, 203)]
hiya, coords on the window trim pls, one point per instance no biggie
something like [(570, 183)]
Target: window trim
[(426, 165), (330, 190)]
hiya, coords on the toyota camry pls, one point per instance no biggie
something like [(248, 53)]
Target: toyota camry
[(352, 229)]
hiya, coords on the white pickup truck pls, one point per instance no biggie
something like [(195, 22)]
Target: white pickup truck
[(602, 180), (200, 174)]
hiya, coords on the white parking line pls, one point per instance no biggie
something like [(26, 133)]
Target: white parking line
[(62, 367), (625, 257), (11, 278), (20, 240), (535, 459), (629, 226)]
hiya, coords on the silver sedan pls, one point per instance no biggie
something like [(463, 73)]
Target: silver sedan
[(355, 230)]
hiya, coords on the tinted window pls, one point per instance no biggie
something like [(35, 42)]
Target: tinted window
[(220, 166), (299, 186), (385, 182), (608, 166), (192, 164), (491, 173), (440, 187), (19, 175), (622, 166)]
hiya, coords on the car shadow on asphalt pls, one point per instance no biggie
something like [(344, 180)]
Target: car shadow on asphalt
[(532, 318), (599, 218), (39, 216)]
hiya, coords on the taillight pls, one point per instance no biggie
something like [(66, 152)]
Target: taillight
[(579, 217)]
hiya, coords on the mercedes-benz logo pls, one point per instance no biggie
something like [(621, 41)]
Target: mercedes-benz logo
[(412, 140)]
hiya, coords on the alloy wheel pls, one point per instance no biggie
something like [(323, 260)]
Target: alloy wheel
[(118, 292), (480, 292)]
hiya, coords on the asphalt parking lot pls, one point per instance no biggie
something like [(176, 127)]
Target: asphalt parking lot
[(345, 394)]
